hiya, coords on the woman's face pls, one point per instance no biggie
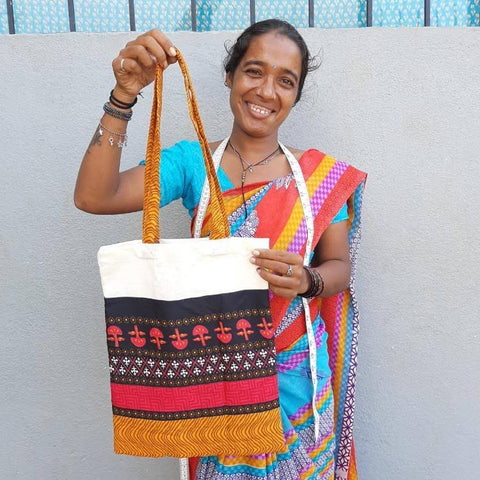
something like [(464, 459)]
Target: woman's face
[(264, 86)]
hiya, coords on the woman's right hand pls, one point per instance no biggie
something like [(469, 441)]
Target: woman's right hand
[(101, 188), (135, 66)]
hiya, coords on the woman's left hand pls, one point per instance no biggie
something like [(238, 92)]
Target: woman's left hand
[(282, 270)]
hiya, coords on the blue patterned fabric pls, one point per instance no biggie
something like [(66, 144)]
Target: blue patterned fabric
[(167, 16), (410, 13), (453, 13), (403, 13), (40, 17), (3, 18), (221, 15), (340, 13), (102, 16), (294, 11), (37, 16)]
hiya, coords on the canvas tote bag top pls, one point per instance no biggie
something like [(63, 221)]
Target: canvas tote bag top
[(189, 334)]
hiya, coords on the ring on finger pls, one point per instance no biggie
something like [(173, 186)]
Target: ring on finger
[(122, 61), (289, 271)]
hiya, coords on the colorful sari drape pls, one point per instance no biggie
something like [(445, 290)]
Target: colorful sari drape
[(273, 210)]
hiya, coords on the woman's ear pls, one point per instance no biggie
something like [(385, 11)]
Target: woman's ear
[(228, 80)]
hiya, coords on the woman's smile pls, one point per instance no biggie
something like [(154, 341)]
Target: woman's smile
[(258, 111)]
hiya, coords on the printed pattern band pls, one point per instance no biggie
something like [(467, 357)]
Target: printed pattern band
[(207, 362), (199, 413)]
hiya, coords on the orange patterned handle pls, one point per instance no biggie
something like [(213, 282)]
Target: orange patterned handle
[(151, 198)]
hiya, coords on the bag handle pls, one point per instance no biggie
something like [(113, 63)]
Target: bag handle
[(151, 197)]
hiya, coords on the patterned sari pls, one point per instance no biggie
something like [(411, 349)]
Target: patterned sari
[(273, 210)]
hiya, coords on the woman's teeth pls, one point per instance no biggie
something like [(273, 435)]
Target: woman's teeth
[(259, 110)]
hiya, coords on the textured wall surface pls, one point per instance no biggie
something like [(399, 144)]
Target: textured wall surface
[(401, 104)]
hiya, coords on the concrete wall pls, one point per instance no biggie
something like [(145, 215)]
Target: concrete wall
[(401, 104)]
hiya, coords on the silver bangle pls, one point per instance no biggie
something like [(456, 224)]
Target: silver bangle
[(121, 137)]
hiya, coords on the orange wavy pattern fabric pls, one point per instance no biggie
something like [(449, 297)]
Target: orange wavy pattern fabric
[(148, 438)]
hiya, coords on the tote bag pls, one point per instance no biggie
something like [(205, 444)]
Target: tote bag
[(189, 334)]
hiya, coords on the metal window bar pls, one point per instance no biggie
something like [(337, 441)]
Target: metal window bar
[(131, 13), (426, 13), (369, 13), (311, 13), (193, 8), (252, 11), (11, 18), (71, 16)]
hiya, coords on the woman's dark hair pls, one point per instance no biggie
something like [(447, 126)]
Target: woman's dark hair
[(236, 52)]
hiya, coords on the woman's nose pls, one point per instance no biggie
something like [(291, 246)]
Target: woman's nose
[(267, 87)]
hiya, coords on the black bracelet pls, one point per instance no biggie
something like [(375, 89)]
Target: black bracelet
[(319, 290), (316, 284), (120, 114), (115, 104), (311, 288), (118, 103)]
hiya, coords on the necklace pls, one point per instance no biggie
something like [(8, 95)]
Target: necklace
[(249, 166)]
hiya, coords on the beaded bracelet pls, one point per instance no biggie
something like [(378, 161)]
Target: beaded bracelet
[(107, 108), (316, 283)]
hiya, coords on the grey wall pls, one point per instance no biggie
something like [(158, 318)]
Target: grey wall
[(401, 104)]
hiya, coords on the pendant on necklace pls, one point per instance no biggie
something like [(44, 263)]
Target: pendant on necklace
[(250, 168)]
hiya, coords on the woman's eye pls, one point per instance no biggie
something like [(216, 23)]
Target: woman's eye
[(253, 71), (288, 82)]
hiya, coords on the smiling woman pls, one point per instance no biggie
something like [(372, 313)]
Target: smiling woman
[(306, 203)]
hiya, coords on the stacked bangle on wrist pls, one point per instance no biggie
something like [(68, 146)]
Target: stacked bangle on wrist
[(119, 103), (316, 283), (113, 112)]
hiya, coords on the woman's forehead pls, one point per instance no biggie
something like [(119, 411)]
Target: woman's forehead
[(275, 49)]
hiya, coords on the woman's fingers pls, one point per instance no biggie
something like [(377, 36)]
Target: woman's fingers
[(155, 50), (150, 48), (279, 268), (146, 50), (282, 286), (135, 66), (279, 255), (277, 280), (278, 261), (166, 44), (124, 65), (157, 46), (282, 270), (140, 55)]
